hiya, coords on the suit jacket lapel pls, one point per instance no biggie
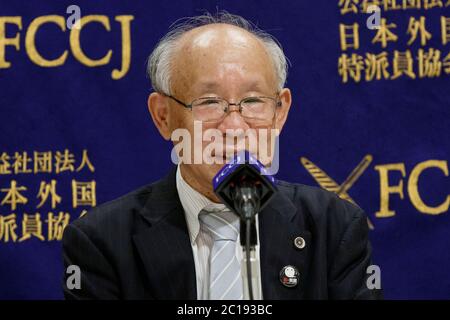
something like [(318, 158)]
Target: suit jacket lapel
[(164, 245), (279, 225)]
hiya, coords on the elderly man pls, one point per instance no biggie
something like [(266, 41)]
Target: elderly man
[(161, 241)]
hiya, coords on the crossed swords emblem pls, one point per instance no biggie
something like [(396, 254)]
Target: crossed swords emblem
[(326, 182)]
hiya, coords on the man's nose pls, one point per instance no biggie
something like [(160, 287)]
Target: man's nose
[(233, 120)]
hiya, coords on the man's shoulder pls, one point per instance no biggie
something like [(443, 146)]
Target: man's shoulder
[(117, 212), (320, 206)]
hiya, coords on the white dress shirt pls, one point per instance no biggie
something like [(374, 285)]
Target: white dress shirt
[(193, 203)]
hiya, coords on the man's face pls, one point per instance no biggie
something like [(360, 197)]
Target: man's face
[(221, 61)]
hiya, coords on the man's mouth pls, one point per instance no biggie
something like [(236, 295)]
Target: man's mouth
[(227, 155)]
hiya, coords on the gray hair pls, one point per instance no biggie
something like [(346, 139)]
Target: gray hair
[(159, 62)]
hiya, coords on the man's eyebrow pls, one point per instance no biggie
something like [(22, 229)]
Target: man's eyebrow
[(209, 85), (254, 86), (251, 86)]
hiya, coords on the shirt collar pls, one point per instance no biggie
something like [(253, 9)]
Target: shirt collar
[(193, 203)]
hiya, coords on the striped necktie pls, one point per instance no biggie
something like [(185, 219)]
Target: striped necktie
[(225, 282)]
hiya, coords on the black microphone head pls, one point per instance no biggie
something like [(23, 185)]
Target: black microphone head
[(244, 171)]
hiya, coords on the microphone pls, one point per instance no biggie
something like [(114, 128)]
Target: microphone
[(245, 187)]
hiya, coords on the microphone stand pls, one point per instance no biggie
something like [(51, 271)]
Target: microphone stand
[(248, 204)]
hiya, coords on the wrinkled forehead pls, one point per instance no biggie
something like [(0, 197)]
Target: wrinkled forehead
[(214, 53)]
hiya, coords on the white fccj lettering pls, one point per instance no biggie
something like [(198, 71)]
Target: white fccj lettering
[(187, 310)]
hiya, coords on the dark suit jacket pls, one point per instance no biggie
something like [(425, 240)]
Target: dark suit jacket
[(138, 246)]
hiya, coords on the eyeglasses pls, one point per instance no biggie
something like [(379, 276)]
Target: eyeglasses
[(214, 109)]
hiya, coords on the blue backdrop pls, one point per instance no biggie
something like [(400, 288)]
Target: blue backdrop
[(72, 137)]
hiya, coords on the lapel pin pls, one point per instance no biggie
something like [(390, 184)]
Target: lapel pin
[(289, 276), (299, 243)]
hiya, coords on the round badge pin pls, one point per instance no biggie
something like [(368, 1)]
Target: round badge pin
[(289, 276), (299, 243)]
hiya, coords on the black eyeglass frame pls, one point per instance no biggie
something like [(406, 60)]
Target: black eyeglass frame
[(189, 106)]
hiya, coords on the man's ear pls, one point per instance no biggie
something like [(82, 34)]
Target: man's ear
[(159, 110), (283, 110)]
